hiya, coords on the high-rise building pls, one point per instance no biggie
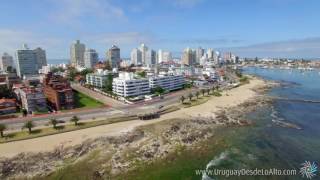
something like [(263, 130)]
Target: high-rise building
[(160, 56), (199, 54), (144, 53), (90, 58), (136, 58), (26, 62), (77, 50), (188, 57), (41, 57), (166, 56), (210, 53), (113, 56), (6, 61)]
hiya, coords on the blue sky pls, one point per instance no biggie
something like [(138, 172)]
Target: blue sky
[(264, 28)]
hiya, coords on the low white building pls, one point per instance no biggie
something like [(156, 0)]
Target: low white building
[(127, 86), (169, 83), (97, 79)]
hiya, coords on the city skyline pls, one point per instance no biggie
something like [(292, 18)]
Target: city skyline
[(264, 28)]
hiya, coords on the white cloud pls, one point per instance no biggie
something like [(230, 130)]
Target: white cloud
[(122, 38), (308, 47), (71, 11), (11, 40)]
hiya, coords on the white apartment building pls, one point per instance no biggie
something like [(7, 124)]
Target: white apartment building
[(169, 83), (97, 79), (127, 86), (90, 58), (6, 61), (77, 50)]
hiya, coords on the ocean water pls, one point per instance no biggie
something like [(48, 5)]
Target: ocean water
[(265, 145)]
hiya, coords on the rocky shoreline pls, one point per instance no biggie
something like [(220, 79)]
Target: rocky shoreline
[(114, 155)]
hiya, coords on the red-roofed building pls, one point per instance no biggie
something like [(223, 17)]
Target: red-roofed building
[(8, 106), (58, 92)]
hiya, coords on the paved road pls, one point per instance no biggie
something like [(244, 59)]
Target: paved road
[(104, 112)]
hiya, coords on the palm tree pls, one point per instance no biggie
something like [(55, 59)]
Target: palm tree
[(197, 94), (203, 92), (182, 98), (29, 125), (75, 119), (2, 128), (54, 122), (208, 91), (190, 96), (212, 89)]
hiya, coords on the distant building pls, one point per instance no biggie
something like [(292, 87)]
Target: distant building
[(77, 50), (91, 58), (32, 99), (113, 56), (166, 56), (199, 54), (128, 86), (98, 79), (26, 62), (188, 57), (6, 61), (41, 58), (8, 106), (136, 57), (58, 92), (169, 83)]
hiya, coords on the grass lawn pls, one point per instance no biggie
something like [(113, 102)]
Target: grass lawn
[(195, 101), (84, 101)]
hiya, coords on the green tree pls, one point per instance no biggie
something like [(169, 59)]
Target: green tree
[(213, 89), (182, 98), (208, 91), (3, 127), (203, 92), (107, 86), (142, 74), (29, 125), (75, 119), (190, 96), (72, 73), (86, 71), (197, 94), (107, 65), (157, 90), (54, 122), (5, 92)]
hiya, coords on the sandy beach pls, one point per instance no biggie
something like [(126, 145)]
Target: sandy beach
[(228, 99)]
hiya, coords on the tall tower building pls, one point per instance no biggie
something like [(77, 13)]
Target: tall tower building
[(6, 61), (26, 62), (210, 53), (188, 57), (136, 58), (77, 53), (90, 58), (144, 53), (113, 56), (166, 56), (199, 54), (41, 57), (160, 56)]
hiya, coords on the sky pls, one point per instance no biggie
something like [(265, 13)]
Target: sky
[(249, 28)]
